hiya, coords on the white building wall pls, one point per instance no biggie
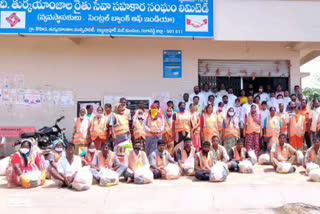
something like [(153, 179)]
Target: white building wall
[(267, 20), (120, 66)]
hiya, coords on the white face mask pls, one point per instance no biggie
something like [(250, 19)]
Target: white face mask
[(231, 114), (82, 117), (59, 149), (99, 115), (91, 150), (24, 150)]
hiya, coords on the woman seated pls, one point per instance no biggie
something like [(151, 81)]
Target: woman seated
[(55, 155), (23, 161), (87, 156)]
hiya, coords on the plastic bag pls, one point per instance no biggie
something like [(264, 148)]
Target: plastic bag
[(143, 175), (4, 163), (315, 175), (188, 166), (83, 179), (284, 167), (108, 178), (264, 159), (245, 167), (219, 172), (172, 171), (300, 158), (31, 179), (310, 167), (253, 156)]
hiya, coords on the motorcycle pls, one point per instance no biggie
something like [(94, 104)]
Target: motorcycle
[(45, 136)]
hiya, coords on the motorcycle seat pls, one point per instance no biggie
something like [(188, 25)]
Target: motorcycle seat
[(28, 134)]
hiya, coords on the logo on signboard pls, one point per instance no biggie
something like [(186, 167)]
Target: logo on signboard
[(196, 23), (13, 20)]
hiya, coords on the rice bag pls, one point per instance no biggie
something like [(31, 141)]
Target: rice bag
[(300, 158), (310, 167), (108, 178), (83, 179), (143, 175), (31, 179), (188, 166), (4, 163), (253, 156), (172, 171), (284, 167), (314, 175), (264, 159), (245, 167), (219, 172)]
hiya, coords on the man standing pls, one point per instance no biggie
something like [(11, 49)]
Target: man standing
[(89, 109), (226, 103), (222, 91), (186, 100), (205, 94), (305, 111), (263, 96), (283, 152), (314, 117), (296, 130), (196, 90), (231, 97), (291, 108)]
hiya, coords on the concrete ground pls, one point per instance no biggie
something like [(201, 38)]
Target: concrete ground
[(241, 193)]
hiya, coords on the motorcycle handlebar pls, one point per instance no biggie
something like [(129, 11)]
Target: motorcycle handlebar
[(58, 120)]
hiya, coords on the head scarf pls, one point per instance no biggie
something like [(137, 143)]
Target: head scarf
[(156, 116), (25, 156), (255, 116), (116, 108), (165, 114), (55, 142), (84, 124)]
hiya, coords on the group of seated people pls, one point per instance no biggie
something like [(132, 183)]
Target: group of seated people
[(64, 164)]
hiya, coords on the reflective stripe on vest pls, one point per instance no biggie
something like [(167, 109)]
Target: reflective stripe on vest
[(252, 126), (121, 126), (134, 164), (218, 153), (284, 154), (284, 121), (220, 119), (108, 162), (57, 156), (312, 154), (205, 162), (272, 127), (232, 129), (154, 126), (296, 127), (78, 136), (138, 131), (210, 125), (194, 122), (182, 122), (236, 155), (99, 128), (89, 158), (161, 162), (168, 126)]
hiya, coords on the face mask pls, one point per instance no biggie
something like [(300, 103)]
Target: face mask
[(92, 150), (99, 115), (260, 90), (182, 109), (24, 150), (154, 112), (58, 149), (231, 114), (140, 117), (169, 114), (136, 149), (81, 117)]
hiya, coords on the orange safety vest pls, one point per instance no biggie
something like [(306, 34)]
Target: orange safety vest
[(218, 153), (232, 129), (57, 156), (184, 153), (220, 120), (297, 127), (168, 126), (284, 117), (138, 130), (312, 154), (122, 125), (210, 125), (182, 122), (194, 121), (161, 162), (252, 126), (78, 136), (237, 156), (273, 127), (108, 163), (133, 164), (89, 158), (305, 113), (99, 128), (154, 126), (282, 154), (204, 162)]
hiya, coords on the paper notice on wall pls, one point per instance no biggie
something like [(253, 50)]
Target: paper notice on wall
[(66, 99), (5, 95), (113, 100), (45, 96), (6, 83), (20, 97), (13, 96), (32, 98), (163, 98), (19, 81), (55, 99)]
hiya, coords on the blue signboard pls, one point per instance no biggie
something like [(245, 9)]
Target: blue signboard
[(172, 64), (160, 18)]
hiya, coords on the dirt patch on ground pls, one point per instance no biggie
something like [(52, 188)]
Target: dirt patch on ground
[(297, 208)]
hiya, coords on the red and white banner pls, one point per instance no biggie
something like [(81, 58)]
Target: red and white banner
[(196, 23), (13, 19), (15, 131)]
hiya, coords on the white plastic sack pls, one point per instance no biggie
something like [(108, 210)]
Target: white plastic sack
[(108, 177), (4, 163), (253, 156), (264, 159), (30, 179), (300, 158), (245, 167), (83, 179), (188, 166), (172, 171), (310, 167), (284, 167), (219, 172), (315, 175), (143, 175)]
